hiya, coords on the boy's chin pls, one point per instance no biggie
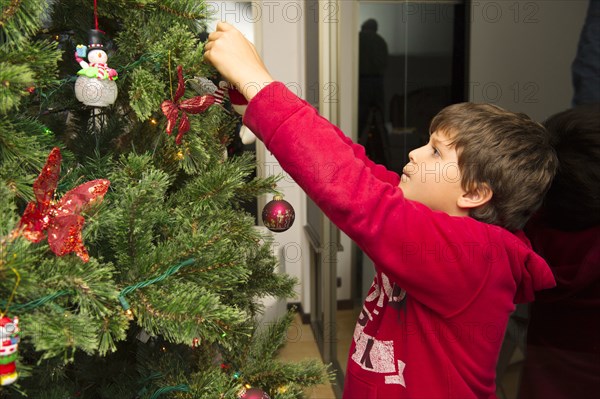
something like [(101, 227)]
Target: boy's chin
[(405, 190)]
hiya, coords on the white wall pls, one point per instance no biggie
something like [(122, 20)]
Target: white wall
[(277, 30), (521, 54), (280, 35), (281, 38), (237, 13)]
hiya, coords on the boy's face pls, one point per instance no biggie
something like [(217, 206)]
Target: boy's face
[(432, 176)]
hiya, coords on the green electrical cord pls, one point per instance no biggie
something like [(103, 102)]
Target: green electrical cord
[(170, 271)]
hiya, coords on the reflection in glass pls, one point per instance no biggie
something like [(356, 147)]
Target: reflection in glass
[(400, 92)]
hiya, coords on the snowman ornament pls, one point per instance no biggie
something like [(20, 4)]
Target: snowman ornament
[(95, 85), (9, 342)]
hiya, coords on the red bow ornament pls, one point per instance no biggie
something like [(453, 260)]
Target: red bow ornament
[(60, 220), (194, 105)]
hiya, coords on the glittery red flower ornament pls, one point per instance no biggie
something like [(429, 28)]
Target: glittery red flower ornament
[(194, 105), (60, 220)]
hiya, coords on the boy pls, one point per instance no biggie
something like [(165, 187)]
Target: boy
[(447, 274)]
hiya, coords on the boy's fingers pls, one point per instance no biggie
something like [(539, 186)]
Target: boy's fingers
[(214, 35), (223, 26)]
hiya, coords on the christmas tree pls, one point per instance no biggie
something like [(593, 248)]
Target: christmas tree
[(128, 265)]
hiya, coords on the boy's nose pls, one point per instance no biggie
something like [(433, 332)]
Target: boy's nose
[(411, 156)]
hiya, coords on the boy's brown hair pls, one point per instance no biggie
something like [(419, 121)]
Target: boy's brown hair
[(508, 151), (573, 200)]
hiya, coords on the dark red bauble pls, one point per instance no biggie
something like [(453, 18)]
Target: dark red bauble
[(254, 393), (278, 215)]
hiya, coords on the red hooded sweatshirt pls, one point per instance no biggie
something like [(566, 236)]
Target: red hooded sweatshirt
[(434, 319)]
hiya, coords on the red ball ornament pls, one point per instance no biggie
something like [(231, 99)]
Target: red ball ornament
[(278, 215), (254, 393)]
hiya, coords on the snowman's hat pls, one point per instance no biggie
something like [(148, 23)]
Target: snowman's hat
[(96, 39)]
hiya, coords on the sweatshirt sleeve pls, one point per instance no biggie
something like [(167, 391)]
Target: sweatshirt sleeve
[(427, 253), (379, 171)]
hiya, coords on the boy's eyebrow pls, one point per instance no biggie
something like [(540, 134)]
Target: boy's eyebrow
[(437, 142)]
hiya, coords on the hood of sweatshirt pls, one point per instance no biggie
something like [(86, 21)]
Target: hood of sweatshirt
[(574, 258)]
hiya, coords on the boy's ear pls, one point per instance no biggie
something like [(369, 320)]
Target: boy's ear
[(479, 195)]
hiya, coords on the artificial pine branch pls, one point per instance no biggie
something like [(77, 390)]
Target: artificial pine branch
[(20, 19), (168, 205)]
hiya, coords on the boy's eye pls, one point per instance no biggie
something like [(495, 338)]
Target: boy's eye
[(436, 152)]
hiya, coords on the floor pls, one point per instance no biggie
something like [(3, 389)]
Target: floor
[(301, 345)]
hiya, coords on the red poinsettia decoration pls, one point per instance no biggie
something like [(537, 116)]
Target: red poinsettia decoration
[(194, 105), (61, 220)]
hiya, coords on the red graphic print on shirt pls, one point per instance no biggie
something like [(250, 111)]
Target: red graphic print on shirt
[(376, 355)]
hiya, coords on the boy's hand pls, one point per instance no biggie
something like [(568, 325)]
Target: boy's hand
[(237, 60)]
